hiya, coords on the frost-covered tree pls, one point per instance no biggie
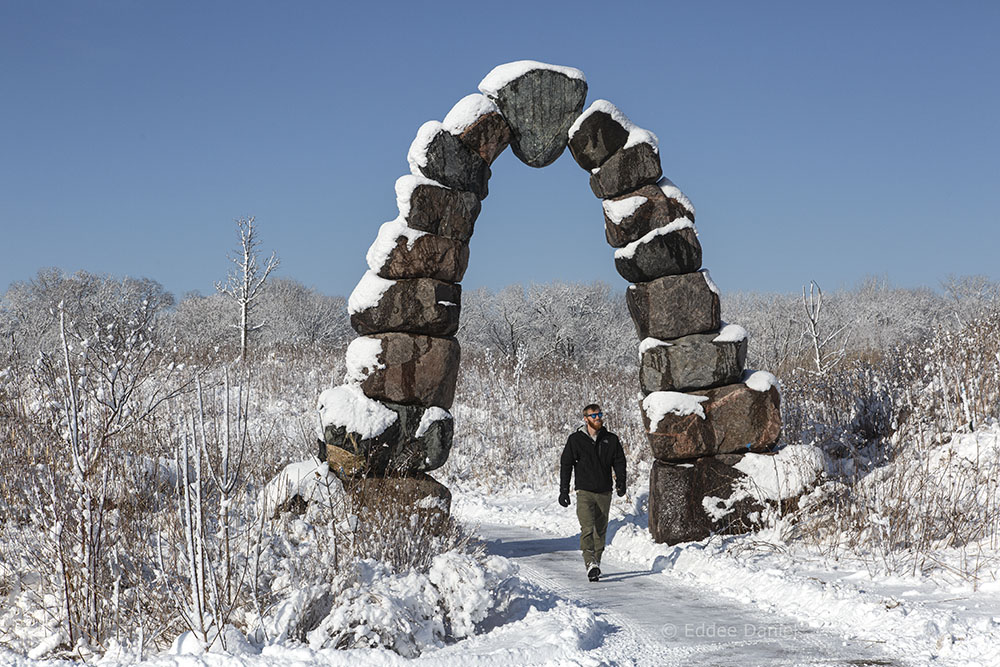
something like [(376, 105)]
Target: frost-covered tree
[(298, 315)]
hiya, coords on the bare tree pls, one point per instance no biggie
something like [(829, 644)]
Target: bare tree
[(245, 282), (823, 356)]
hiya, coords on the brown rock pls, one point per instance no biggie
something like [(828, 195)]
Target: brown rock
[(657, 211), (598, 137), (345, 464), (418, 493), (413, 305), (417, 370), (627, 170), (737, 419), (673, 306), (692, 362), (442, 211), (665, 254), (426, 256), (488, 136)]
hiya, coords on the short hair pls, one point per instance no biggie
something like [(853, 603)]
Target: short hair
[(593, 407)]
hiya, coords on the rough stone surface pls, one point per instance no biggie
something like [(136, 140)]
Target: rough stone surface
[(417, 370), (540, 106), (663, 255), (344, 464), (414, 305), (431, 256), (673, 306), (443, 211), (418, 492), (599, 137), (692, 362), (349, 455), (737, 420), (657, 211), (677, 496), (627, 170), (452, 163), (488, 136)]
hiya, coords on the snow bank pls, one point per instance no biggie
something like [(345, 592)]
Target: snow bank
[(636, 134), (388, 235), (362, 359), (661, 403), (618, 210), (369, 291), (785, 474), (673, 192), (431, 415), (730, 333), (629, 251), (417, 155), (467, 111), (405, 185), (347, 407), (501, 75), (760, 380)]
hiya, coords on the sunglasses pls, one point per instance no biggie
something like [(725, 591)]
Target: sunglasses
[(596, 415)]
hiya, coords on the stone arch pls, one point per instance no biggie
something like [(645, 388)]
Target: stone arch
[(390, 417)]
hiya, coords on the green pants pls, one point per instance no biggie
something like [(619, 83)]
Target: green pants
[(592, 511)]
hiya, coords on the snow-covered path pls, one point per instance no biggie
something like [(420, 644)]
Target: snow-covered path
[(650, 618)]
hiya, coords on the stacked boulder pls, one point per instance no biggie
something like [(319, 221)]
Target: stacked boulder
[(701, 409)]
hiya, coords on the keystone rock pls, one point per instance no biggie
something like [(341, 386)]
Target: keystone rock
[(692, 362), (627, 170), (659, 254), (674, 306), (413, 370), (657, 210), (414, 305)]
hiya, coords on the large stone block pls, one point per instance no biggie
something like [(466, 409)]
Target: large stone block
[(674, 306), (488, 136), (402, 252), (691, 501), (413, 492), (441, 156), (596, 136), (665, 251), (405, 368), (733, 419), (630, 216), (698, 361), (540, 102), (627, 170), (429, 207), (413, 305)]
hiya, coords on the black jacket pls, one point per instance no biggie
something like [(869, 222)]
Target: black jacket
[(592, 462)]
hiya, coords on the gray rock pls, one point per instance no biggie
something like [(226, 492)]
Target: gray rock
[(673, 306), (414, 305), (598, 138), (692, 362), (737, 419), (417, 370), (452, 163), (663, 255), (540, 106), (627, 170), (657, 211), (677, 495), (488, 136), (431, 256), (349, 455), (443, 211)]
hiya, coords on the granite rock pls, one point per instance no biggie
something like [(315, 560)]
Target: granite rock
[(627, 170), (656, 210), (450, 162), (692, 362), (413, 305), (674, 306), (660, 253), (439, 210), (598, 137), (426, 256), (488, 136), (413, 370)]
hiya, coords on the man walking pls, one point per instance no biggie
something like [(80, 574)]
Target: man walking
[(592, 452)]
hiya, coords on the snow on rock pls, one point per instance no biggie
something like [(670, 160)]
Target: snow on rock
[(388, 234), (784, 474), (362, 359), (636, 134), (730, 333), (417, 155), (431, 415), (760, 380), (649, 343), (347, 407), (708, 279), (501, 75), (405, 185), (368, 292), (673, 192), (661, 403), (629, 251), (467, 111), (618, 210), (310, 481)]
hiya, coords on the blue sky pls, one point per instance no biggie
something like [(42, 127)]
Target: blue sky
[(818, 141)]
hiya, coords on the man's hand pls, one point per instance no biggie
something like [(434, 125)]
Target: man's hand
[(621, 491), (564, 499)]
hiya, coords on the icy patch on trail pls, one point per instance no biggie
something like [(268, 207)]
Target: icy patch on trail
[(501, 75), (467, 111)]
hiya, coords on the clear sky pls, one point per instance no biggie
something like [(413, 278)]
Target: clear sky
[(824, 141)]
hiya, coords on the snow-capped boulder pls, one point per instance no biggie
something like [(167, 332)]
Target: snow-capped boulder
[(540, 102), (674, 306), (477, 121), (428, 206), (665, 251), (413, 305), (630, 216), (355, 424), (599, 132), (698, 361), (410, 369), (629, 169), (400, 251), (441, 156), (735, 419), (298, 484)]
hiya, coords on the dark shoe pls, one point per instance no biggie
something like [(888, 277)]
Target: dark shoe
[(594, 573)]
